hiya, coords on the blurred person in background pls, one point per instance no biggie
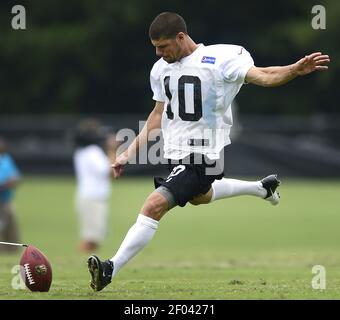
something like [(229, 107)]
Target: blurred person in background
[(95, 150), (9, 179)]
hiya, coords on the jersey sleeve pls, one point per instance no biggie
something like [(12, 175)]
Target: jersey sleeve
[(236, 65), (155, 83)]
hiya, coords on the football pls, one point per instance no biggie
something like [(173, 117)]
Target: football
[(36, 270)]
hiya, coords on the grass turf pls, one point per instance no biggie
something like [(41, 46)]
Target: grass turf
[(239, 248)]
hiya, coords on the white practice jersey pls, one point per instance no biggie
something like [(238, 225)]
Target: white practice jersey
[(93, 173), (198, 91)]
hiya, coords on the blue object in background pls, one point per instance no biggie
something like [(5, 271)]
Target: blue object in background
[(8, 170)]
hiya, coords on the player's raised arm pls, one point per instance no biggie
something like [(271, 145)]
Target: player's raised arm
[(153, 122), (276, 76)]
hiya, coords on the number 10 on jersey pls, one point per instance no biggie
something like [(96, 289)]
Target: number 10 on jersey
[(197, 98)]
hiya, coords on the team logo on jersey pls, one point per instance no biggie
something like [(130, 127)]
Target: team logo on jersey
[(206, 59)]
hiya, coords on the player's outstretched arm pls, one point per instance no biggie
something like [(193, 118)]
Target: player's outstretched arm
[(276, 76), (153, 122)]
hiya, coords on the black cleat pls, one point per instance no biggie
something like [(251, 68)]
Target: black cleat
[(271, 183), (101, 272)]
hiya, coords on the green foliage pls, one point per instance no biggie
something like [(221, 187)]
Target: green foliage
[(92, 56)]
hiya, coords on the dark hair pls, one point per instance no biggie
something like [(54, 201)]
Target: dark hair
[(167, 25), (87, 133)]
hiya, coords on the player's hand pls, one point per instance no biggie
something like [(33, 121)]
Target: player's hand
[(313, 62), (119, 165)]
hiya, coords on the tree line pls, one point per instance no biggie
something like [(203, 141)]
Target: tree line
[(95, 56)]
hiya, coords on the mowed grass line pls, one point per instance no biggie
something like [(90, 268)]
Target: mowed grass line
[(239, 248)]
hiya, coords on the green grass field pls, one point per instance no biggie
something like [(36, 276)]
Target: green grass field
[(240, 248)]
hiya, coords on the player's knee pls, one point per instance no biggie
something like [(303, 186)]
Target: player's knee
[(155, 206)]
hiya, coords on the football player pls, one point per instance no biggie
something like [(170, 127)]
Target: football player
[(193, 87)]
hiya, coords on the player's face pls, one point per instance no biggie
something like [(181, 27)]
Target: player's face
[(168, 49)]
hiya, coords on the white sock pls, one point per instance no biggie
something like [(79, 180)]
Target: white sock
[(227, 188), (135, 240)]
